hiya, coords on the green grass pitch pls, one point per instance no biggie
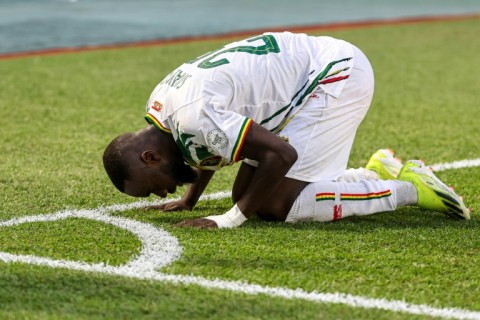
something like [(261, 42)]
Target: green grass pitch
[(57, 113)]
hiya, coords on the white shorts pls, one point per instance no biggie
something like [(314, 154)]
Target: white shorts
[(322, 132)]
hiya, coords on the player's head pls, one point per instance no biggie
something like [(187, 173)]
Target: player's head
[(146, 162)]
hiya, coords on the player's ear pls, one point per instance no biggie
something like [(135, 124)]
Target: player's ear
[(150, 156)]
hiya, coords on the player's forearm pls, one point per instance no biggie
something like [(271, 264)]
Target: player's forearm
[(275, 158), (268, 175), (195, 190)]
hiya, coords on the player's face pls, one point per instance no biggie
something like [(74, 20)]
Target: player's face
[(159, 180), (142, 184)]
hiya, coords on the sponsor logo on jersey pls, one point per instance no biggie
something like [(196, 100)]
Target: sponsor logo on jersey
[(217, 139)]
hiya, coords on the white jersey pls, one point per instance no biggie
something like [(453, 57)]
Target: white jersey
[(209, 103)]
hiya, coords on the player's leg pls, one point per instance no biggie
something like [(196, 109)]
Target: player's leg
[(416, 185), (357, 192), (323, 131), (333, 200)]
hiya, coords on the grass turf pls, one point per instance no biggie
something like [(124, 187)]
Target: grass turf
[(57, 114)]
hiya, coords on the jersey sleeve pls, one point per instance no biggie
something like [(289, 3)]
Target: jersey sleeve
[(153, 115), (211, 138)]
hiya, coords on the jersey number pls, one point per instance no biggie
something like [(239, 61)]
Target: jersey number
[(270, 45)]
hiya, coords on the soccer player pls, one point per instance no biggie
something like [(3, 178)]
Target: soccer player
[(287, 106)]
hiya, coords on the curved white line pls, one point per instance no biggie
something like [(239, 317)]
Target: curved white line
[(159, 248)]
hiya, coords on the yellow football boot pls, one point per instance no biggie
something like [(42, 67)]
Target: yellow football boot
[(385, 164), (433, 194)]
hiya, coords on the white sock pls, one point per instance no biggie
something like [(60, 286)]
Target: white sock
[(355, 175), (328, 201), (407, 194)]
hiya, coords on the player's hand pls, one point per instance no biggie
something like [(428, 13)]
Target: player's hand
[(177, 205), (200, 223)]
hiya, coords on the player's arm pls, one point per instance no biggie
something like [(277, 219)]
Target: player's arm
[(275, 158), (191, 195)]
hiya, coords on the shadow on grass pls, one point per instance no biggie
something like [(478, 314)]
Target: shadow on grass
[(405, 218)]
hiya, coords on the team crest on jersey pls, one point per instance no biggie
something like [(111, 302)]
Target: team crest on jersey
[(157, 106), (217, 139)]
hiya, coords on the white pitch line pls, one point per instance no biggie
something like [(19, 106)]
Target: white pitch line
[(456, 164), (159, 249), (334, 298), (252, 289)]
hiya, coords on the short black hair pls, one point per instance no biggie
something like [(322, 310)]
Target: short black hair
[(115, 161)]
